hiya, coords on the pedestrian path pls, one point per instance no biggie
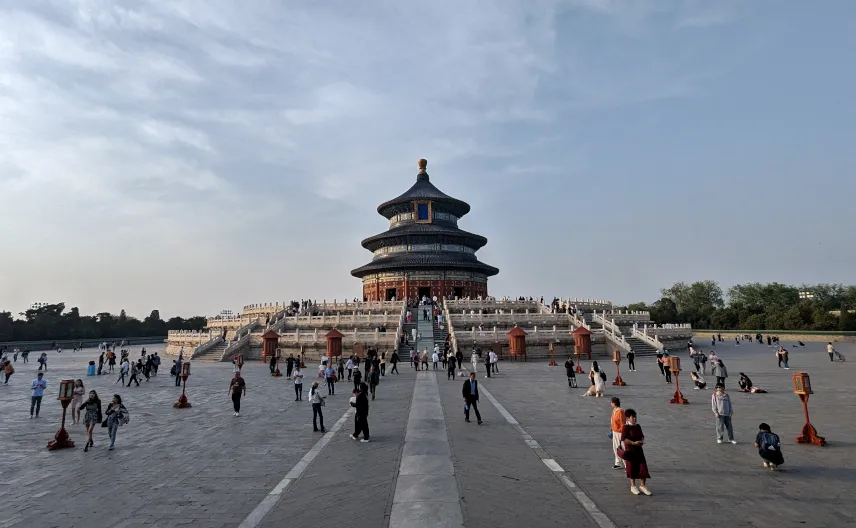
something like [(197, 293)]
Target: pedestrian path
[(426, 493), (426, 336)]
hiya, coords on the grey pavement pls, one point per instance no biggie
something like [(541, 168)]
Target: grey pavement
[(204, 467)]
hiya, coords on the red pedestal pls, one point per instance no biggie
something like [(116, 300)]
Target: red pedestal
[(182, 402), (552, 355), (618, 381), (276, 371), (61, 439), (678, 397), (809, 433)]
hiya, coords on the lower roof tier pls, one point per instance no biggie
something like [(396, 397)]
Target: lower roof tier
[(426, 261)]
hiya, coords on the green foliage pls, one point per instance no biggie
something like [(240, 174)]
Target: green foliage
[(51, 322), (755, 306)]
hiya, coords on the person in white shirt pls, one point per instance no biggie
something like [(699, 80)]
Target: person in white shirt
[(435, 357), (493, 358), (123, 371), (298, 383)]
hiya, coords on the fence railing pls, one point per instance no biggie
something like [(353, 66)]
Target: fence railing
[(612, 332), (205, 347)]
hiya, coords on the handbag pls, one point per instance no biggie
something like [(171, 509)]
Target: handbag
[(622, 454), (104, 423)]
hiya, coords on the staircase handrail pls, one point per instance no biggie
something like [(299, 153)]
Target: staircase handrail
[(243, 337), (613, 333), (643, 336), (453, 339)]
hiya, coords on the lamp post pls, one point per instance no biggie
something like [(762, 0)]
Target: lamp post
[(552, 354), (61, 439), (802, 387), (182, 402), (616, 358), (675, 367), (577, 353), (278, 355)]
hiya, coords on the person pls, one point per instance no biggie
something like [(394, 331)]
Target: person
[(487, 364), (341, 369), (177, 367), (769, 447), (111, 362), (317, 402), (394, 360), (38, 385), (784, 354), (272, 363), (8, 370), (597, 377), (43, 361), (631, 360), (374, 381), (123, 371), (135, 370), (100, 363), (424, 359), (698, 381), (360, 401), (746, 385), (660, 363), (289, 366), (635, 467), (350, 367), (238, 388), (494, 361), (117, 415), (77, 401), (470, 392), (92, 416), (667, 369), (703, 359), (474, 360), (615, 429), (718, 369), (435, 357), (297, 375), (358, 378), (569, 371), (450, 367), (330, 377), (720, 403), (459, 359)]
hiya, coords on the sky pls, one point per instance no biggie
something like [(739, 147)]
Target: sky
[(194, 156)]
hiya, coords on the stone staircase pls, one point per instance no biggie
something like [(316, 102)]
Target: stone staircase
[(212, 354), (426, 336), (640, 347), (439, 335)]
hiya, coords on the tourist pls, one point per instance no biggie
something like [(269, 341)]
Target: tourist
[(784, 355), (8, 370), (117, 415), (703, 359), (394, 360), (746, 385), (156, 361), (713, 360), (779, 357), (635, 467), (341, 369), (450, 367), (134, 371), (660, 363), (317, 402), (720, 403), (474, 360), (111, 362), (698, 381), (667, 367), (289, 366), (374, 380), (435, 357), (123, 371), (487, 365), (297, 375), (272, 363), (718, 369), (459, 358), (470, 392), (569, 371), (424, 362), (330, 377), (25, 355), (350, 366), (100, 363), (769, 447), (238, 388), (494, 361), (43, 361), (360, 401), (631, 360), (616, 428), (383, 364), (358, 378), (696, 357), (144, 368), (92, 416), (597, 377), (38, 385), (713, 341), (77, 401)]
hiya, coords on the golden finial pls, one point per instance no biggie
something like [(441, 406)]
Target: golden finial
[(423, 164)]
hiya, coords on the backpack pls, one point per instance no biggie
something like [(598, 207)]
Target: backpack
[(769, 441), (603, 375)]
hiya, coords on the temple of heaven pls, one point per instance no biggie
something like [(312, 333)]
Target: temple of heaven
[(423, 253)]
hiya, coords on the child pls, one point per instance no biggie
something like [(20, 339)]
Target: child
[(569, 370), (769, 447)]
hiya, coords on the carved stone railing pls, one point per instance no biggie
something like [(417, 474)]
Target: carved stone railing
[(668, 331), (267, 309), (351, 337), (529, 319), (453, 339), (204, 335), (612, 332), (651, 340), (535, 335), (626, 317), (240, 340)]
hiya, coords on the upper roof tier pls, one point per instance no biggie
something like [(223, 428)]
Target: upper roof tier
[(423, 189)]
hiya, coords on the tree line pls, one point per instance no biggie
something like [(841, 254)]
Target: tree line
[(52, 322), (755, 306)]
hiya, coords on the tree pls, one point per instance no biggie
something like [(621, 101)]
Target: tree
[(846, 321)]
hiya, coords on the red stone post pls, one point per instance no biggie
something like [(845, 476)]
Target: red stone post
[(182, 402), (802, 387), (61, 439), (675, 366), (577, 353), (517, 342), (552, 354), (616, 358)]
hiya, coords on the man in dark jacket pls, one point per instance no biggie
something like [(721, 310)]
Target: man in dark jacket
[(450, 369), (471, 397), (361, 419), (394, 360), (374, 381)]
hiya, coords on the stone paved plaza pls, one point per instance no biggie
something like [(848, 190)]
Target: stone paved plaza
[(205, 467)]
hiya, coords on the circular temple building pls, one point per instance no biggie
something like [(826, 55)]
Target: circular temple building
[(423, 253)]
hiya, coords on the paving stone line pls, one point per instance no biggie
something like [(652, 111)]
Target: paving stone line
[(588, 505), (258, 514)]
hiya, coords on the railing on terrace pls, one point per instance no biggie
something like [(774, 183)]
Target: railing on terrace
[(651, 340), (205, 347), (534, 334), (612, 332), (188, 333), (668, 330), (625, 316), (533, 318), (241, 339), (274, 307), (350, 336), (453, 339)]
